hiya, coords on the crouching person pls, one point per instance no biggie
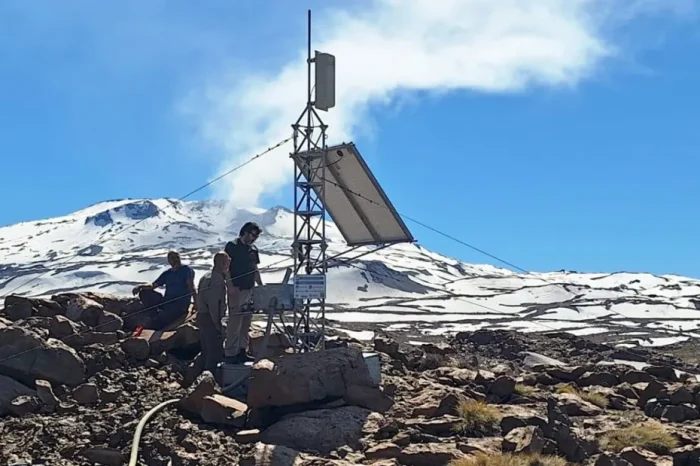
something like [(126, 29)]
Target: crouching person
[(178, 281)]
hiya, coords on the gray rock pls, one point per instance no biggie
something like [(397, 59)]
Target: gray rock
[(662, 372), (26, 357), (18, 310), (321, 431), (603, 379), (82, 309), (632, 377), (524, 440), (62, 327), (109, 322), (371, 398), (572, 405), (503, 386), (224, 411), (204, 386), (611, 460), (137, 348), (86, 394), (639, 457), (9, 390), (104, 456), (23, 405), (44, 391), (681, 394), (566, 374)]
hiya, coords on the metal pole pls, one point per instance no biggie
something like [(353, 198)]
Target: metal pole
[(309, 259)]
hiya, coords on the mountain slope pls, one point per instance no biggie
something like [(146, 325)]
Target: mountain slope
[(118, 244)]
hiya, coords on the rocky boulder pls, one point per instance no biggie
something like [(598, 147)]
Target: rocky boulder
[(308, 377), (524, 440), (26, 357), (319, 431), (82, 309), (221, 410), (9, 390)]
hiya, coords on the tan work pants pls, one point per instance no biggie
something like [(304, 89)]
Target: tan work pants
[(238, 323)]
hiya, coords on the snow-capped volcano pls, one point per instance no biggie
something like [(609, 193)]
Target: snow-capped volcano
[(113, 245)]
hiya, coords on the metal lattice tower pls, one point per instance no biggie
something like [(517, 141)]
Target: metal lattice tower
[(327, 180), (309, 245)]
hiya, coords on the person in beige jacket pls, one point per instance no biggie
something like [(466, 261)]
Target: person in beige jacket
[(211, 308)]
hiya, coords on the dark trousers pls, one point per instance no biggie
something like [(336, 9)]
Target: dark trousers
[(166, 312)]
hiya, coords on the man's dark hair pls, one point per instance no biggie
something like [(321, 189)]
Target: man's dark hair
[(250, 227)]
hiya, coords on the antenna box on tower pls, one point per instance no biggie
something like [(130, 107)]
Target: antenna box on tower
[(325, 81)]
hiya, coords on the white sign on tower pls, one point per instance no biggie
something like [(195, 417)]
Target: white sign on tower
[(310, 286)]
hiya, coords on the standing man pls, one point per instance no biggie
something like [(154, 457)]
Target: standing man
[(244, 276), (179, 291), (211, 308)]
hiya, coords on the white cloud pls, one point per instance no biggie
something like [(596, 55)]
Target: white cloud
[(408, 45)]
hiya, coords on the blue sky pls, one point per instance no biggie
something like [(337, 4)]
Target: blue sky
[(554, 134)]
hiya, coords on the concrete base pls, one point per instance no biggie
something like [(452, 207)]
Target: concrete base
[(234, 379), (374, 366)]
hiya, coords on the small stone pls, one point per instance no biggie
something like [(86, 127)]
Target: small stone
[(429, 454), (18, 310), (110, 394), (23, 405), (566, 374), (662, 372), (524, 440), (572, 405), (104, 456), (401, 439), (109, 322), (503, 386), (62, 327), (681, 395), (45, 393), (611, 460), (603, 379), (368, 397), (137, 348), (639, 457), (383, 451), (204, 386), (247, 436), (86, 394), (688, 455), (633, 377), (219, 409)]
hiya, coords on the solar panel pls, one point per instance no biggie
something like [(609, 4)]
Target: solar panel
[(354, 199)]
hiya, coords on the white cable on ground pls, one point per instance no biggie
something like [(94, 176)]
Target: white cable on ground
[(139, 428)]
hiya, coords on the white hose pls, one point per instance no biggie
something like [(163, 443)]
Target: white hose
[(139, 428)]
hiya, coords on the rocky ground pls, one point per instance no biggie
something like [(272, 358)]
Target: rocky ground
[(74, 384)]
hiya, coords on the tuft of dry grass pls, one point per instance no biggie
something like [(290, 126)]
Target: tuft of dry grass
[(566, 388), (507, 459), (477, 418), (597, 399), (525, 390), (651, 436)]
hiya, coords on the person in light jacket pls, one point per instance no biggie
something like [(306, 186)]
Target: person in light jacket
[(212, 295)]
